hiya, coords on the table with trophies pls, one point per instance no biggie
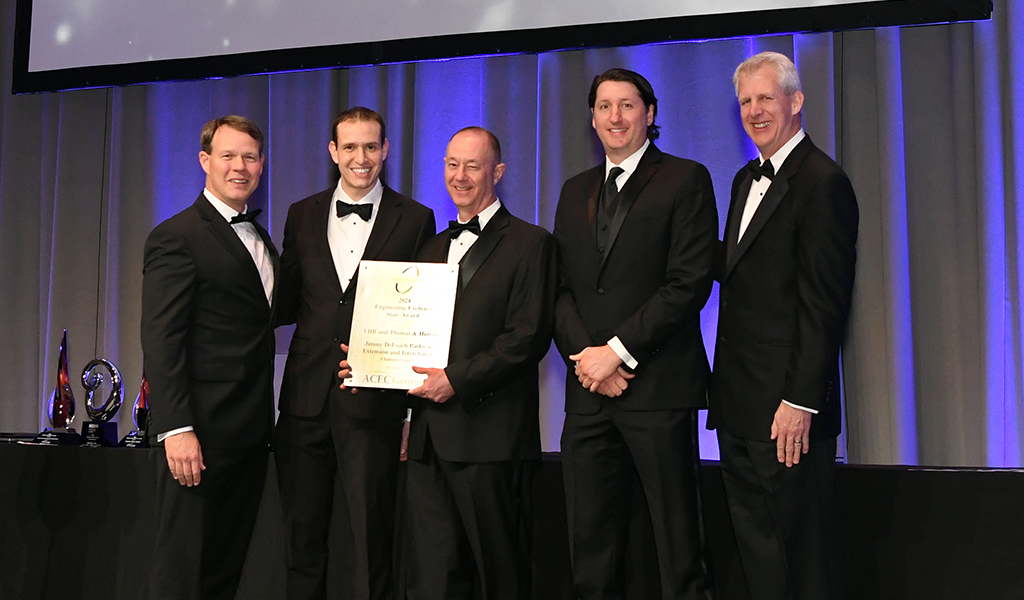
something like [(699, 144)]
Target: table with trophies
[(78, 505)]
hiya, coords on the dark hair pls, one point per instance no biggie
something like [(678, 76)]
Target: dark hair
[(234, 122), (357, 113), (642, 86), (493, 139)]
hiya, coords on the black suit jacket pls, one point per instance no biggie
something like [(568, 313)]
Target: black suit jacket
[(501, 330), (785, 297), (207, 335), (312, 298), (647, 287)]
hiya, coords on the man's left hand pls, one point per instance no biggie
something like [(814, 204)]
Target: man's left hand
[(344, 370), (594, 364), (791, 431), (436, 388)]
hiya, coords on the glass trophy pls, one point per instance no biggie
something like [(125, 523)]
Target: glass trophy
[(140, 415), (98, 430), (61, 406)]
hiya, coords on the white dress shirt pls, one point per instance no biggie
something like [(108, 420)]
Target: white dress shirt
[(347, 235), (759, 186), (461, 245)]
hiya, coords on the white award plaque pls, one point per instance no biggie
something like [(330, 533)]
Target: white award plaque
[(402, 318)]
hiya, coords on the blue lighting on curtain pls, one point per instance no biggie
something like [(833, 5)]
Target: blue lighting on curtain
[(175, 117), (892, 146), (1013, 362), (449, 96), (993, 268)]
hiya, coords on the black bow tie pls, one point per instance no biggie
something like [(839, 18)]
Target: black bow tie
[(761, 170), (455, 228), (365, 211), (249, 217)]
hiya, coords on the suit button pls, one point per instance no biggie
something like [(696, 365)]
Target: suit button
[(604, 228), (600, 250), (725, 303), (337, 340), (600, 291), (341, 302)]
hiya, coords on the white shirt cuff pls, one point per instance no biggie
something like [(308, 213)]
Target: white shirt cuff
[(163, 436), (408, 415), (624, 354), (803, 408)]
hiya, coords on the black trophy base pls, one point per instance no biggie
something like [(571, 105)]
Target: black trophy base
[(59, 437), (97, 434), (135, 439)]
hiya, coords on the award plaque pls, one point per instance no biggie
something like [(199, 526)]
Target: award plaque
[(140, 415), (61, 406), (98, 430), (402, 318)]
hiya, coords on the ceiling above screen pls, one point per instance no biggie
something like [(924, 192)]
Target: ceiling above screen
[(62, 44)]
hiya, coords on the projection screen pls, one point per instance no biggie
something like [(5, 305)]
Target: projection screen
[(65, 44)]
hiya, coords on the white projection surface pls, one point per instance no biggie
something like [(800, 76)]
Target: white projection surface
[(82, 33)]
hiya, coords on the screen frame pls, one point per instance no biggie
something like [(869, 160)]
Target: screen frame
[(884, 13)]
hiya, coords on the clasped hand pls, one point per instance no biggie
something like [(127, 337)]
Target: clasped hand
[(600, 370)]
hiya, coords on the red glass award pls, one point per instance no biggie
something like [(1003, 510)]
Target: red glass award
[(140, 415), (61, 406)]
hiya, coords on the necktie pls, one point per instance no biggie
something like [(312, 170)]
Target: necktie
[(249, 217), (611, 190), (365, 211), (455, 228), (761, 170)]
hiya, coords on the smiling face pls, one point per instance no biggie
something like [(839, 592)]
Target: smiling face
[(359, 154), (770, 117), (620, 119), (471, 170), (233, 166)]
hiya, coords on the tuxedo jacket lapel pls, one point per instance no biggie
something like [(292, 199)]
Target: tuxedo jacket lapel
[(482, 247), (630, 192), (225, 234), (275, 260), (645, 169), (317, 231), (732, 231), (387, 219), (593, 197), (776, 192)]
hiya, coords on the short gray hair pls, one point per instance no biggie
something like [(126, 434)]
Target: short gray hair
[(789, 79)]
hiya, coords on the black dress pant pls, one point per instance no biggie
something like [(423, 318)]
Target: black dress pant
[(363, 453), (784, 518), (601, 456), (468, 529), (203, 531)]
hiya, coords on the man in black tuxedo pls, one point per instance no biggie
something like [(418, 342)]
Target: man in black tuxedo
[(476, 433), (636, 240), (786, 280), (324, 431), (208, 354)]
